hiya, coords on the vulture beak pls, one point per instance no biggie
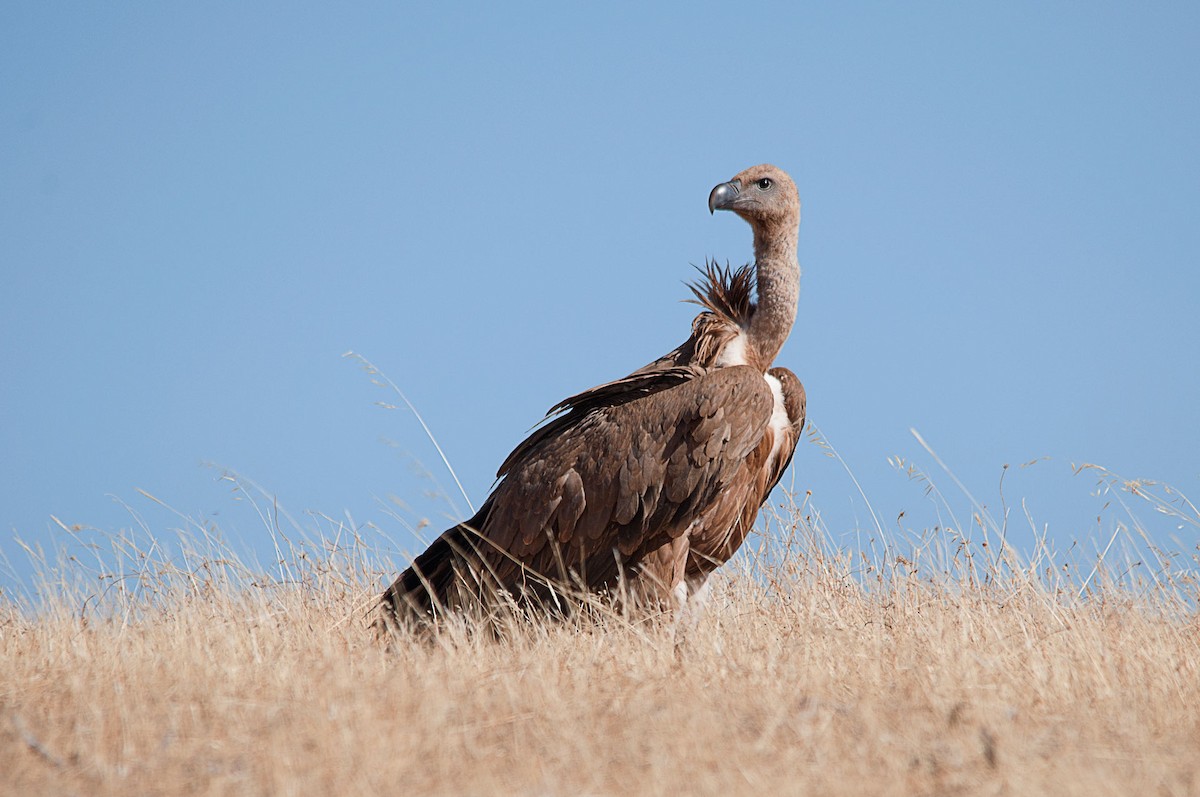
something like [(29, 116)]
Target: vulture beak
[(723, 196)]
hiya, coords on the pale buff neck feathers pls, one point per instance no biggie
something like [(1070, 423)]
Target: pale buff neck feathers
[(766, 198)]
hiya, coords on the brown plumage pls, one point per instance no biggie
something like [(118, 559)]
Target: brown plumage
[(643, 486)]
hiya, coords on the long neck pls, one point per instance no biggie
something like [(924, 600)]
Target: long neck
[(778, 275)]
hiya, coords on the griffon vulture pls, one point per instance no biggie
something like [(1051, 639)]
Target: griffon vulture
[(641, 487)]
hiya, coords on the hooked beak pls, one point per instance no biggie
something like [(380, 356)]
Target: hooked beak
[(723, 196)]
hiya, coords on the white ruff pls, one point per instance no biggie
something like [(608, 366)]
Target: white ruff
[(734, 352)]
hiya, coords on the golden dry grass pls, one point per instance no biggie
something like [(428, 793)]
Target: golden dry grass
[(950, 669)]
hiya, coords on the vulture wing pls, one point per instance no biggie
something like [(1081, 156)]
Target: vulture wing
[(630, 468)]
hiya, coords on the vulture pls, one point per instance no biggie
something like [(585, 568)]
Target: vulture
[(641, 487)]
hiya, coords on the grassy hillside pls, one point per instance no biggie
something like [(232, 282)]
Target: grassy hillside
[(939, 666)]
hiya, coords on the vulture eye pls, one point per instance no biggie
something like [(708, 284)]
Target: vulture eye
[(765, 183)]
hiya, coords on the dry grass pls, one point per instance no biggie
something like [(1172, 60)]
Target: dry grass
[(949, 669)]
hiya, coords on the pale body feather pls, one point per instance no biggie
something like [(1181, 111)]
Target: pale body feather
[(734, 352), (780, 422)]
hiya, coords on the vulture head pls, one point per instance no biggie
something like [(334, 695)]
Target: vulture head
[(763, 195)]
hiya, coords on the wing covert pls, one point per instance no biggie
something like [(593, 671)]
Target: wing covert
[(624, 475)]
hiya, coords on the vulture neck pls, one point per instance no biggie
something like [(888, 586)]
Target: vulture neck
[(777, 273)]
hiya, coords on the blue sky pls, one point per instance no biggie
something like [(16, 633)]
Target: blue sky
[(204, 207)]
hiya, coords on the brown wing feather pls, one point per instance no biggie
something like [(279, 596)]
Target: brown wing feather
[(644, 469)]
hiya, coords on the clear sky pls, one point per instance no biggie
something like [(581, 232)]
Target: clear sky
[(203, 207)]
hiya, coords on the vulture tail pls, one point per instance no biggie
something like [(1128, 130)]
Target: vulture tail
[(441, 578)]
